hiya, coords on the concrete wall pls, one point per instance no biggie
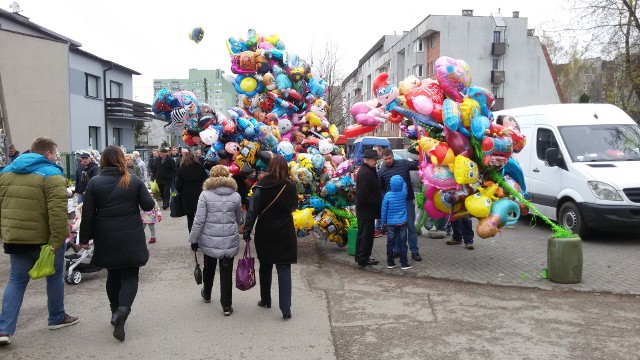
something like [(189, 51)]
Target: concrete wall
[(35, 78)]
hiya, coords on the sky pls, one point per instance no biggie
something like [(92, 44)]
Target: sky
[(153, 37)]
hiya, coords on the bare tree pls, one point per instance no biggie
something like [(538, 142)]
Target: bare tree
[(325, 65)]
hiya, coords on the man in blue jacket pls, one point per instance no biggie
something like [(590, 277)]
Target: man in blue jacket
[(401, 167)]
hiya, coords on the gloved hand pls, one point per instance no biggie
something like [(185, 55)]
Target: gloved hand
[(195, 247), (247, 237)]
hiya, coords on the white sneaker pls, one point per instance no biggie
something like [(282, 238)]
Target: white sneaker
[(406, 267), (392, 266), (5, 340)]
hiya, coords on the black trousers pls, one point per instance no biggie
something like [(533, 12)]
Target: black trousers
[(364, 240), (190, 218), (226, 283), (122, 286), (284, 285), (165, 194)]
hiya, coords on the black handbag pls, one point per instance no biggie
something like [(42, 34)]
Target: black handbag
[(175, 206), (197, 273)]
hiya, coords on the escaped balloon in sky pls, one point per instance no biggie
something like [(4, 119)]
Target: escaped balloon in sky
[(196, 34)]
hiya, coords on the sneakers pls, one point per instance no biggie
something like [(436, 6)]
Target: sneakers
[(454, 242), (406, 267), (392, 266), (5, 339), (469, 246), (377, 233), (66, 321), (207, 300), (416, 257), (152, 240), (227, 311)]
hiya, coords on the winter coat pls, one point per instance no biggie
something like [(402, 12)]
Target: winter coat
[(33, 203), (135, 170), (189, 185), (165, 171), (113, 220), (152, 167), (143, 168), (400, 167), (275, 236), (394, 203), (368, 196), (83, 175), (216, 223), (151, 217)]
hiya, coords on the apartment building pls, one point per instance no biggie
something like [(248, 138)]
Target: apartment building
[(503, 54)]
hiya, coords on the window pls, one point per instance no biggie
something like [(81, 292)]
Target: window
[(418, 46), (419, 71), (91, 85), (496, 64), (117, 136), (545, 140), (496, 37), (116, 90), (93, 137)]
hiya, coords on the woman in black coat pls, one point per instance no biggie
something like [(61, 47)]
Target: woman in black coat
[(111, 217), (274, 198), (191, 175)]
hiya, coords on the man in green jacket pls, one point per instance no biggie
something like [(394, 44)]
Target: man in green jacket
[(33, 203)]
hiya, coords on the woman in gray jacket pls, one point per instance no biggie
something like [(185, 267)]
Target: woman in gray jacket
[(215, 231)]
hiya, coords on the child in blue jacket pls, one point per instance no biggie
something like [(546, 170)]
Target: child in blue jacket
[(394, 217)]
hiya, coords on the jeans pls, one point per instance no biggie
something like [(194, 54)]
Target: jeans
[(397, 236), (378, 226), (18, 280), (412, 235), (284, 285), (226, 282), (122, 286), (462, 229)]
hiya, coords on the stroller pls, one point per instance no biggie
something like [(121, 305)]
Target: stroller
[(77, 264)]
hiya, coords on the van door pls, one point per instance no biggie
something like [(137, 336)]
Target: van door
[(545, 181)]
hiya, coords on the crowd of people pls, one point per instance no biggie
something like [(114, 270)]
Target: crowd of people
[(116, 206)]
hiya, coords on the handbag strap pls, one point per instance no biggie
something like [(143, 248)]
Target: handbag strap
[(247, 250), (195, 254), (274, 200)]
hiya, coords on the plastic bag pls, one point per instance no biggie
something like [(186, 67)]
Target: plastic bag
[(44, 266), (155, 189)]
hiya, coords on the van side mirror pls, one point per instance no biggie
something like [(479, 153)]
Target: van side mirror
[(552, 157)]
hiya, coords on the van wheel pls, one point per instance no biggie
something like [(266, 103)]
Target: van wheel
[(571, 218)]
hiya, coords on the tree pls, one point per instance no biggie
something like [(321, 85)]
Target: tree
[(324, 64), (140, 134), (584, 98)]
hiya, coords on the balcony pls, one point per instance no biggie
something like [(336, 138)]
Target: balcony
[(498, 48), (497, 77), (125, 109)]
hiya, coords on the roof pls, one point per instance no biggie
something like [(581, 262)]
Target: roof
[(115, 65), (23, 20)]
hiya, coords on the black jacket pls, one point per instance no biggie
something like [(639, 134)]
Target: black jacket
[(151, 167), (368, 196), (400, 167), (275, 236), (113, 220), (189, 185), (83, 175), (165, 171)]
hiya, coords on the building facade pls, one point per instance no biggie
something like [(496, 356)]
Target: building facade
[(51, 87), (208, 85), (504, 57)]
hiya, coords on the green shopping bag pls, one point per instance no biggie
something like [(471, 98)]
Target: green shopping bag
[(44, 266), (155, 189)]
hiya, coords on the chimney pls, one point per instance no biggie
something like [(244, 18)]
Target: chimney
[(531, 32), (516, 14), (467, 12)]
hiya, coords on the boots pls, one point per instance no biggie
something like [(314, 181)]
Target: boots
[(114, 308), (118, 319)]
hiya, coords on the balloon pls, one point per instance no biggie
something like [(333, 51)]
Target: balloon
[(352, 131), (453, 76), (209, 136), (513, 170), (437, 176), (465, 171), (458, 142), (303, 219), (479, 204), (325, 147), (196, 34), (232, 147), (318, 162), (234, 169), (496, 146), (285, 149), (484, 97)]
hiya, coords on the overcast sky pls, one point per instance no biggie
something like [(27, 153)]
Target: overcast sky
[(151, 37)]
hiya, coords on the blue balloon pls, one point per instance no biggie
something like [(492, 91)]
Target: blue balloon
[(513, 169)]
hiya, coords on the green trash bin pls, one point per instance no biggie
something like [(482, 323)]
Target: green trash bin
[(564, 260), (351, 241)]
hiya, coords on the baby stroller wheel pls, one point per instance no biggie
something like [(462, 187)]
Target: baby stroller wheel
[(74, 278)]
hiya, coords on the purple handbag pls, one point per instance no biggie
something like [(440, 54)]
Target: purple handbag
[(245, 272)]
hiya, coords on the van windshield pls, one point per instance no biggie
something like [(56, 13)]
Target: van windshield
[(587, 143)]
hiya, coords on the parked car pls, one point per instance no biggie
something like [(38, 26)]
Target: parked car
[(416, 181)]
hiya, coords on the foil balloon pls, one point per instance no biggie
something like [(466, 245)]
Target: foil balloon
[(196, 34), (303, 219), (453, 76), (465, 170), (285, 149)]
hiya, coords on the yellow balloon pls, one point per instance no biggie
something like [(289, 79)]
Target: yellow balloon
[(465, 171), (248, 84), (303, 219)]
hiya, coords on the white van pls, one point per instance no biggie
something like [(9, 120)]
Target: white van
[(581, 165)]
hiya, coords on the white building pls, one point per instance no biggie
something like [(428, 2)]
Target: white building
[(504, 57)]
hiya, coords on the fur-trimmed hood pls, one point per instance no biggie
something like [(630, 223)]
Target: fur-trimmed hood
[(213, 183)]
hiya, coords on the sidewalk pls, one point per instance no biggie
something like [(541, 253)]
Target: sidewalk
[(514, 259)]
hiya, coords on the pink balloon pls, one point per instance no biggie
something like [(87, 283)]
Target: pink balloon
[(434, 213), (453, 76)]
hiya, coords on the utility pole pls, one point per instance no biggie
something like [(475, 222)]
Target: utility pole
[(206, 91)]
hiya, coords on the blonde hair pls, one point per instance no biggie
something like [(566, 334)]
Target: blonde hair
[(219, 171)]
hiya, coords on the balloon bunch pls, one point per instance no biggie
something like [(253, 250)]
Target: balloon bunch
[(462, 145)]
